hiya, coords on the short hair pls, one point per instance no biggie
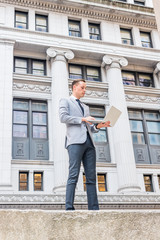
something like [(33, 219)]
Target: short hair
[(75, 82)]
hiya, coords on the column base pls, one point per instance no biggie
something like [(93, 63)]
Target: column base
[(59, 189), (129, 189)]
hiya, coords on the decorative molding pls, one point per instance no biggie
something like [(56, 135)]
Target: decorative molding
[(157, 69), (94, 94), (85, 12), (114, 61), (31, 87), (80, 198), (142, 99)]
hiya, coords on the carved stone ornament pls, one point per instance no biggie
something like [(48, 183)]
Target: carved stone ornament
[(157, 69), (143, 99), (31, 88), (108, 60), (52, 52)]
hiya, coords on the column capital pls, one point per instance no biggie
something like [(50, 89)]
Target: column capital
[(65, 54), (114, 61), (157, 68)]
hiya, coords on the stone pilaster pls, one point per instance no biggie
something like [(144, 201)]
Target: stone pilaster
[(157, 75), (121, 135), (6, 71), (59, 90)]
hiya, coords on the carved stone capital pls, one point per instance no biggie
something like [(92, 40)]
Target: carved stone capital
[(157, 68), (114, 62), (59, 54)]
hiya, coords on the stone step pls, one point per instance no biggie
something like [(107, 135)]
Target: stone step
[(79, 225)]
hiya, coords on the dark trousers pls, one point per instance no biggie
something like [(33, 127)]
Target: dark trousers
[(82, 153)]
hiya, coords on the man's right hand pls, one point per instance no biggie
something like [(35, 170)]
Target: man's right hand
[(86, 119)]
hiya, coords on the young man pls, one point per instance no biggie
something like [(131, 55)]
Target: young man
[(79, 143)]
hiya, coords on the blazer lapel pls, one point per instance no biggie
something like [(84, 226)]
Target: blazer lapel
[(76, 104)]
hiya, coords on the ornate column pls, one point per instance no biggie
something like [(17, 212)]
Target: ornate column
[(6, 81), (121, 135), (60, 90), (157, 75)]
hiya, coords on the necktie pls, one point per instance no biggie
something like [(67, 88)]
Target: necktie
[(80, 105)]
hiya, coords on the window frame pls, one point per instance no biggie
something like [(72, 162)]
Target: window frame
[(42, 181), (130, 33), (84, 71), (78, 22), (27, 173), (151, 182), (104, 183), (22, 12), (150, 39), (41, 15), (98, 27)]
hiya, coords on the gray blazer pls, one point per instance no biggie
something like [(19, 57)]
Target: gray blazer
[(71, 114)]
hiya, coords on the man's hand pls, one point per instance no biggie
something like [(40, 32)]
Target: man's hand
[(101, 125), (86, 119)]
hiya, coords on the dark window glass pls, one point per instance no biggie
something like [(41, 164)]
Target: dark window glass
[(21, 20), (126, 36), (38, 181), (146, 39), (142, 3), (23, 181), (30, 66), (87, 72), (159, 181), (94, 31), (84, 182), (148, 183), (139, 79), (41, 23), (102, 186), (74, 28), (99, 114)]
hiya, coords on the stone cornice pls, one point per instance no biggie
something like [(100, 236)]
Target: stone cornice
[(84, 11)]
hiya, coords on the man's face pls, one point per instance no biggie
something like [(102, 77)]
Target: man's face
[(79, 89)]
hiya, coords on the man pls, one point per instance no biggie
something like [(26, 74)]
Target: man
[(79, 143)]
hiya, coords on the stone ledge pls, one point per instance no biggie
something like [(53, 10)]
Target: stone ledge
[(79, 225)]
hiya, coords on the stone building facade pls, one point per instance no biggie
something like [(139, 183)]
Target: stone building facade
[(44, 45)]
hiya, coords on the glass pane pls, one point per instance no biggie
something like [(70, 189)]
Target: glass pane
[(41, 28), (84, 182), (39, 118), (21, 70), (23, 186), (153, 127), (145, 37), (74, 26), (97, 112), (20, 63), (75, 70), (134, 114), (145, 80), (92, 71), (138, 138), (154, 139), (21, 25), (20, 117), (23, 177), (21, 17), (148, 183), (39, 106), (152, 115), (41, 20), (39, 132), (100, 136), (94, 29), (38, 72), (38, 65), (20, 131), (38, 187), (128, 78), (101, 183), (38, 177), (95, 37), (125, 33), (20, 104), (136, 126)]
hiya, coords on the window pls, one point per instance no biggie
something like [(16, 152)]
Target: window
[(141, 2), (126, 36), (139, 79), (102, 186), (29, 66), (41, 23), (145, 127), (38, 181), (30, 129), (99, 114), (94, 31), (74, 28), (146, 39), (84, 182), (23, 181), (145, 130), (86, 72), (148, 183), (21, 20)]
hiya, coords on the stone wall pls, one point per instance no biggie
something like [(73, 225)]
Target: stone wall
[(79, 225)]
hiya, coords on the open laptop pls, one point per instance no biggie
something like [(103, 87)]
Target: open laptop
[(112, 115)]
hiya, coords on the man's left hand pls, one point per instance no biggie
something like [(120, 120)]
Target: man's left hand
[(105, 124)]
